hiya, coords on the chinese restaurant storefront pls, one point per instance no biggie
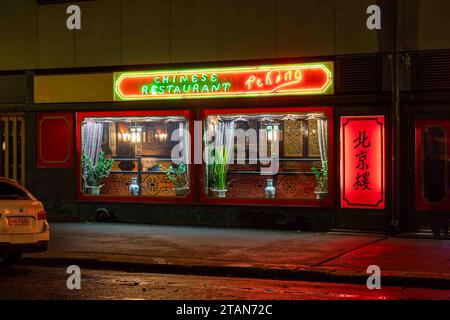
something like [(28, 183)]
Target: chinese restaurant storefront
[(262, 116), (266, 145)]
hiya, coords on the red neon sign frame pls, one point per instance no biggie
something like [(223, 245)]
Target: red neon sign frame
[(288, 79), (362, 162)]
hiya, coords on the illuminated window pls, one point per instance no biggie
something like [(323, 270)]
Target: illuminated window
[(273, 156), (132, 156)]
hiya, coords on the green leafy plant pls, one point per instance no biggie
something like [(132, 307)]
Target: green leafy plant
[(218, 169), (94, 174), (177, 175), (321, 175)]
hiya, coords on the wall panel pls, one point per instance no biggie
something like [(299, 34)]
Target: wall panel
[(145, 31), (18, 35), (434, 25), (56, 42), (352, 35), (196, 30), (249, 31), (305, 28), (99, 42)]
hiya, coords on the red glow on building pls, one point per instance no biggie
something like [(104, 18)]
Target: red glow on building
[(362, 162)]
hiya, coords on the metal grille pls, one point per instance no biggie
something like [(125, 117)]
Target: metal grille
[(358, 74), (431, 70)]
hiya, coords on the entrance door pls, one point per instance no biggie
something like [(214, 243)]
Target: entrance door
[(12, 146), (432, 165)]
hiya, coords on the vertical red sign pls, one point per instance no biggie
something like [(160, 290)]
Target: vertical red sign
[(362, 162)]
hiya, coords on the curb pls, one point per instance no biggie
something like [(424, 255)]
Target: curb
[(300, 273)]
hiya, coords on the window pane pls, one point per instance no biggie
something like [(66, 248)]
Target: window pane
[(275, 156), (138, 152), (11, 192), (434, 164), (11, 149), (19, 151), (3, 135)]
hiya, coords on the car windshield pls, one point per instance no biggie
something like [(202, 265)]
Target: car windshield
[(11, 192)]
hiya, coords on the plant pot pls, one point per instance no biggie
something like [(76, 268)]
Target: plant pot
[(93, 190), (180, 192), (320, 195), (219, 193)]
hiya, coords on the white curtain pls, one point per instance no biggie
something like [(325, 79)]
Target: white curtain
[(322, 128), (92, 140), (184, 143), (223, 132), (224, 137)]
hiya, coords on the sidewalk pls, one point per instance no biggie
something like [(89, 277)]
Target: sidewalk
[(337, 257)]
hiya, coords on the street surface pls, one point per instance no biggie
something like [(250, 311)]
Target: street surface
[(249, 247), (220, 252), (33, 282)]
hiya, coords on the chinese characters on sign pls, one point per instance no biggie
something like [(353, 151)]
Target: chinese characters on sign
[(362, 143), (362, 162), (292, 79)]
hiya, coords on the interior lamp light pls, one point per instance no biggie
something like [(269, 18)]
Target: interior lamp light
[(272, 132), (136, 134), (161, 134)]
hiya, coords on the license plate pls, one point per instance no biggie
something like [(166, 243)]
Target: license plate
[(19, 221)]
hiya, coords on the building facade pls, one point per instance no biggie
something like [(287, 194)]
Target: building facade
[(362, 144)]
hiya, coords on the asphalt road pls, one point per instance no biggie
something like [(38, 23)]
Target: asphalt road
[(35, 282)]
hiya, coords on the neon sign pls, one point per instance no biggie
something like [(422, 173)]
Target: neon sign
[(289, 79), (362, 162)]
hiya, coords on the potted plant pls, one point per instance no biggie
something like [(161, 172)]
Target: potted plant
[(177, 174), (93, 175), (321, 175), (218, 172)]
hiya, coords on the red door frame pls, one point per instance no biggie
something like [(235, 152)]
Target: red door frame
[(327, 202), (421, 203), (80, 116)]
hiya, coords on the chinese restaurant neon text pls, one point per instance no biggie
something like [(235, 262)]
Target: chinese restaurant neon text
[(291, 79)]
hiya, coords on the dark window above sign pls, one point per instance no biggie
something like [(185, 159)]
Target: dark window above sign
[(358, 73), (431, 70)]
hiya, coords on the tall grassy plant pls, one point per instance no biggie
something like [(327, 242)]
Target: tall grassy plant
[(218, 168)]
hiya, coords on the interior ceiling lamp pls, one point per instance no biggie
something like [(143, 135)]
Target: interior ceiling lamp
[(161, 133), (136, 133), (126, 136), (273, 132)]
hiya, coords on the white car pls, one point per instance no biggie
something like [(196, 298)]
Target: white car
[(23, 222)]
